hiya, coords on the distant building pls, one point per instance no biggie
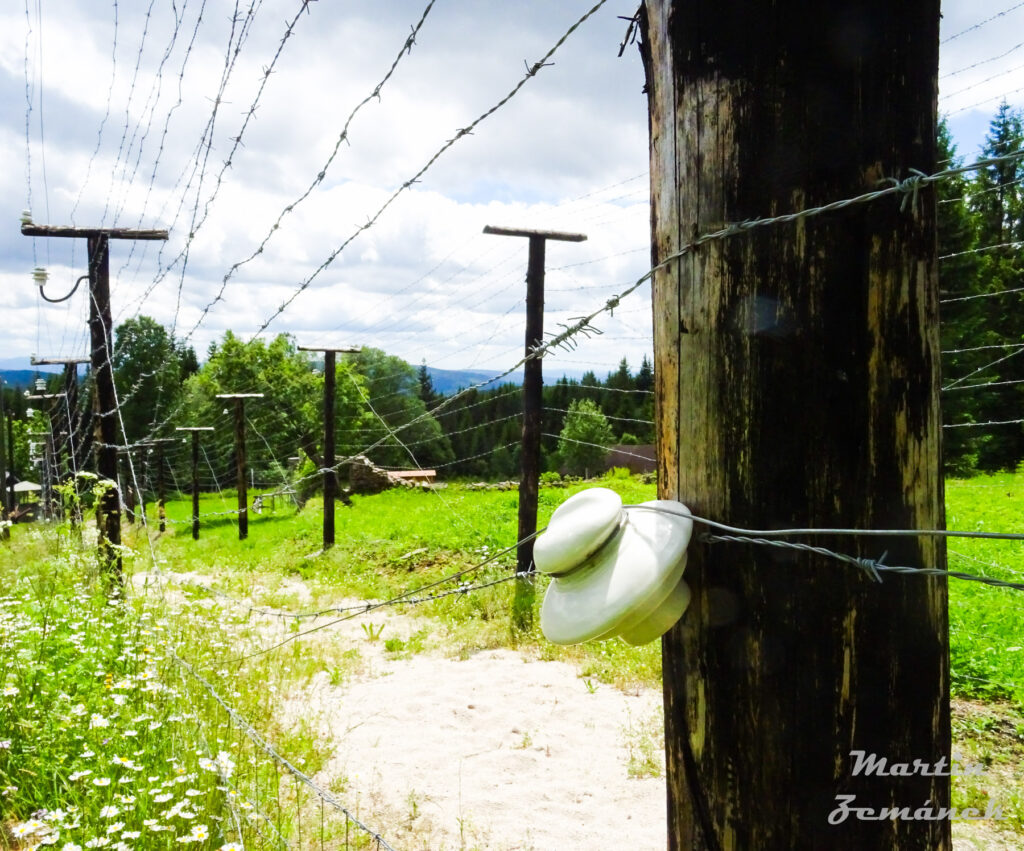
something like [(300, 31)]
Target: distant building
[(637, 459)]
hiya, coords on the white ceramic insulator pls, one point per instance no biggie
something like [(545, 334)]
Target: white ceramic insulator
[(615, 571)]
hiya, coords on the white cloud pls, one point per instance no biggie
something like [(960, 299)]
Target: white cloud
[(424, 282)]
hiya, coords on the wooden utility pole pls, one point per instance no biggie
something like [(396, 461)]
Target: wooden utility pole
[(243, 499), (4, 505), (51, 458), (195, 476), (108, 513), (158, 444), (533, 408), (72, 415), (330, 474), (797, 376)]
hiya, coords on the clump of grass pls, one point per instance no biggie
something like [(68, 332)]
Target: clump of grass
[(644, 739)]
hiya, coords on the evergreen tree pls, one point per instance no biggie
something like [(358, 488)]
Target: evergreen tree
[(997, 200), (585, 438)]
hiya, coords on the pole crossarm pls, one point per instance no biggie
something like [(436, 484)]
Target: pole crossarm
[(57, 361), (194, 428), (240, 395), (351, 350), (91, 233), (564, 236), (38, 397)]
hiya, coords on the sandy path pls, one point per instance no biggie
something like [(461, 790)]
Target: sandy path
[(492, 752), (495, 752)]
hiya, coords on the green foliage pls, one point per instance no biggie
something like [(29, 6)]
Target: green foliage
[(290, 414), (410, 436), (149, 368), (584, 439)]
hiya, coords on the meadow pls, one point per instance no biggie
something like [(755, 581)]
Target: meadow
[(125, 710)]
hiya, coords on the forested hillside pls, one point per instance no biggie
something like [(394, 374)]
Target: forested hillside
[(981, 277)]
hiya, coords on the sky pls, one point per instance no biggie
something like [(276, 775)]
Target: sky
[(130, 123)]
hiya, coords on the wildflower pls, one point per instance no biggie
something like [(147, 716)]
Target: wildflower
[(126, 799), (10, 691), (200, 832), (192, 792), (5, 744), (98, 720), (78, 775), (79, 709), (101, 781), (131, 834), (98, 842), (20, 830), (71, 846), (109, 812), (232, 846), (166, 796), (116, 827)]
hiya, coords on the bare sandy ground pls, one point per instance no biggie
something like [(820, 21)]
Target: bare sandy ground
[(496, 751)]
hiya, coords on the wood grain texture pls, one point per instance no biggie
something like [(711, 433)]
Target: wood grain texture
[(797, 385)]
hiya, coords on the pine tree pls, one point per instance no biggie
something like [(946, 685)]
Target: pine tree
[(997, 199)]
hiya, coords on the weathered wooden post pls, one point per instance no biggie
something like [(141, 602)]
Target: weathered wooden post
[(240, 463), (797, 380), (108, 513), (330, 475), (195, 476), (533, 409)]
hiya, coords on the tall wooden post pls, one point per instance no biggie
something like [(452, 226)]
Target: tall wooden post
[(797, 386), (195, 476), (157, 444), (4, 506), (51, 458), (11, 501), (533, 409), (72, 416), (108, 514), (330, 474), (240, 463)]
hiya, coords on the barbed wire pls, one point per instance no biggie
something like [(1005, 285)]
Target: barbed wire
[(981, 62), (531, 72), (273, 753), (980, 24), (405, 50), (393, 601)]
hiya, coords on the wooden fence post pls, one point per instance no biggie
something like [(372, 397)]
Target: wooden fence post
[(797, 386)]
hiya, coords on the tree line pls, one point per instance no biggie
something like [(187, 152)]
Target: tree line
[(981, 283)]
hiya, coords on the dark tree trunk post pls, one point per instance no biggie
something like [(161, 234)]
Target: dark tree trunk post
[(108, 513), (243, 501), (330, 476), (195, 476), (195, 485), (533, 410), (797, 386), (108, 509), (240, 460)]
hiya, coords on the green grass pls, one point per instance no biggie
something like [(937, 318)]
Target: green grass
[(87, 686), (986, 625)]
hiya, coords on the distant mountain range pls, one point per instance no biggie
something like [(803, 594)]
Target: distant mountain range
[(18, 373), (447, 381)]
